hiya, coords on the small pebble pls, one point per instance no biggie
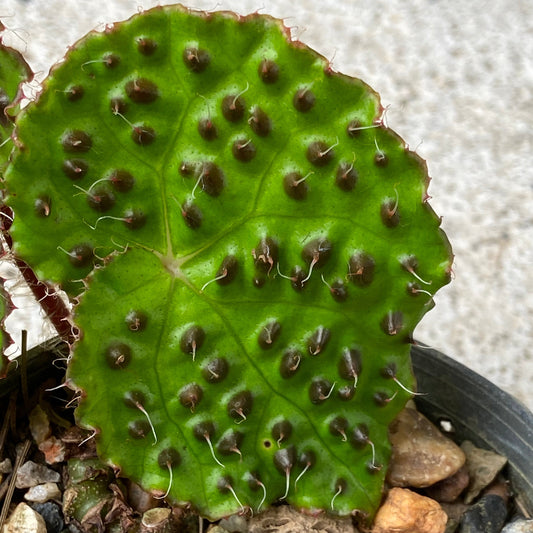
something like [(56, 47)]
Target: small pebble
[(25, 520), (139, 499), (405, 511), (43, 493), (235, 524), (31, 474), (519, 526), (483, 467), (5, 466), (53, 517), (449, 489), (487, 515), (421, 454), (39, 425), (154, 518), (285, 519), (54, 450)]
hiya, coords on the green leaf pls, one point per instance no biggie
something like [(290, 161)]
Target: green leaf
[(13, 71), (255, 247)]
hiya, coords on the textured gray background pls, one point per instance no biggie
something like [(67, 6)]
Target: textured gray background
[(458, 77)]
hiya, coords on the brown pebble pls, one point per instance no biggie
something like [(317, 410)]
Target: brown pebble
[(421, 455), (449, 489), (483, 467), (409, 512)]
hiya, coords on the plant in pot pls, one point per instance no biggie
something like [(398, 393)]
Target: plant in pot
[(246, 248)]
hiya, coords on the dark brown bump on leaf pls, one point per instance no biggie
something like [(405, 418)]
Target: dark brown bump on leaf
[(121, 180), (76, 141), (196, 59), (192, 339), (259, 280), (118, 106), (143, 135), (190, 395), (290, 362), (134, 398), (409, 263), (381, 398), (269, 334), (74, 93), (361, 267), (187, 169), (373, 468), (138, 429), (392, 323), (339, 426), (169, 457), (340, 485), (118, 355), (297, 278), (303, 100), (111, 60), (215, 370), (81, 255), (42, 206), (307, 459), (100, 199), (346, 392), (317, 342), (243, 150), (319, 391), (265, 255), (142, 91), (204, 430), (227, 271), (388, 371), (233, 107), (285, 459), (212, 178), (338, 290), (254, 481), (191, 215), (207, 129), (413, 288), (317, 251), (230, 442), (224, 484), (295, 186), (359, 436), (354, 128), (389, 213), (136, 320), (240, 405), (281, 431), (268, 71), (381, 159), (346, 177), (319, 153), (4, 103), (350, 364), (134, 219), (75, 169), (260, 122), (146, 46)]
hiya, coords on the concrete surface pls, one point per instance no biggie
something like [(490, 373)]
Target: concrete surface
[(458, 78)]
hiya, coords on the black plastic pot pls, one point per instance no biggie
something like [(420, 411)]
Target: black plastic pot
[(478, 411)]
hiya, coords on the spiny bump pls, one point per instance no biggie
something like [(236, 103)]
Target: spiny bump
[(268, 71), (118, 355)]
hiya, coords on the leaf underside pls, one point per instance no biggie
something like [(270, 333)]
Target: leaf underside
[(261, 245)]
